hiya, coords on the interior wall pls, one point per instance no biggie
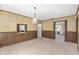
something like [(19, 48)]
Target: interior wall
[(48, 25), (71, 23), (9, 21), (48, 29), (8, 28), (78, 29), (71, 27), (78, 20)]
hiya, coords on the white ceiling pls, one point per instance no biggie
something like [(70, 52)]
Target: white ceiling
[(43, 11)]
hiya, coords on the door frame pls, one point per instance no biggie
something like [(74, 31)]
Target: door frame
[(54, 24), (77, 29), (77, 32)]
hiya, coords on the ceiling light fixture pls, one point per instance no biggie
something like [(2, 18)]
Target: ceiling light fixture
[(34, 18)]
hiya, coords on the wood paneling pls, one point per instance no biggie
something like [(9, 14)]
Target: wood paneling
[(71, 37), (3, 39), (48, 34), (8, 38), (78, 43)]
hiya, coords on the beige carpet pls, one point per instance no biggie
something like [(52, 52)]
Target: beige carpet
[(40, 46)]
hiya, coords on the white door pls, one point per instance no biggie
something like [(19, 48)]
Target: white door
[(39, 30)]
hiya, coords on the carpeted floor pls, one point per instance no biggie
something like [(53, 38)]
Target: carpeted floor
[(40, 46)]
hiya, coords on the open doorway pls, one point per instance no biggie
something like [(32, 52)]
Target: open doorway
[(60, 30)]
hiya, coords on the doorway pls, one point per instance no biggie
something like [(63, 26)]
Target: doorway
[(60, 28), (39, 30)]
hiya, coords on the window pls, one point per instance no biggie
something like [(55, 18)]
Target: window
[(21, 27)]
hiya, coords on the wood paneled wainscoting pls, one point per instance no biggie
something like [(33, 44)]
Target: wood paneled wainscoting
[(78, 42), (48, 34), (7, 38), (71, 37)]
